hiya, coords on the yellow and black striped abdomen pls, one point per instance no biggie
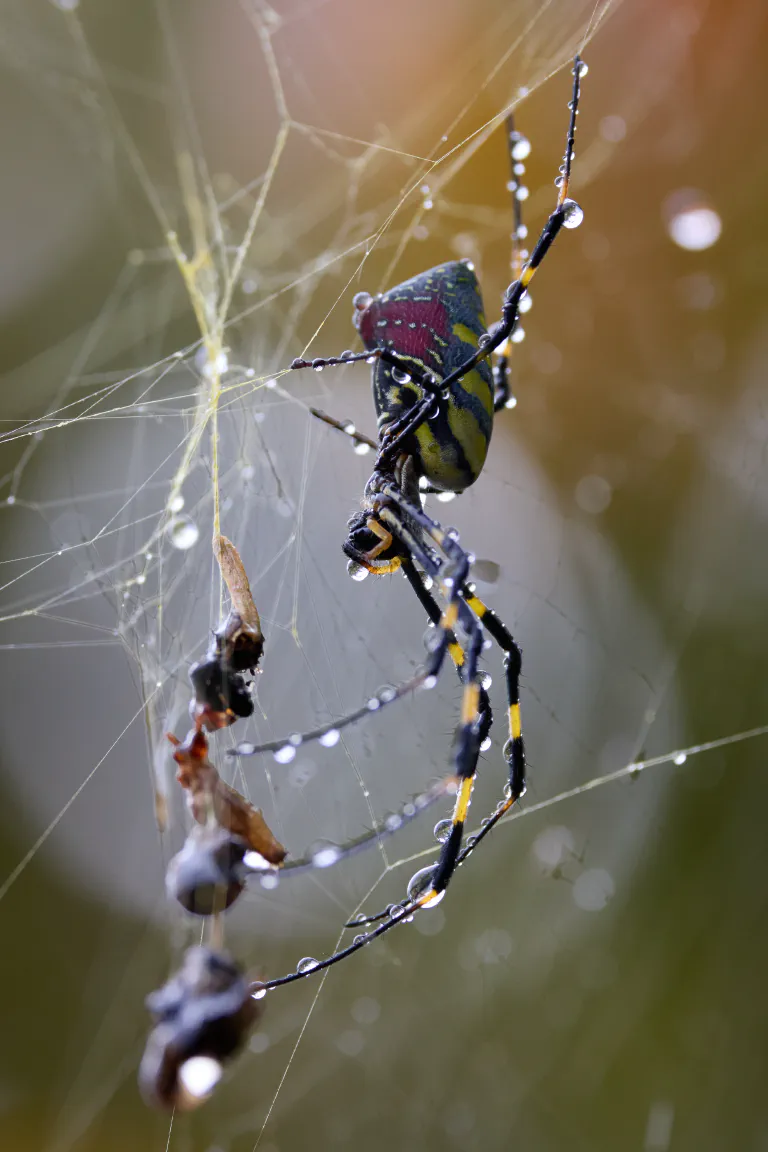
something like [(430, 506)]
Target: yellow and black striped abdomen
[(435, 320)]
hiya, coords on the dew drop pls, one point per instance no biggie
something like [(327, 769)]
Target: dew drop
[(11, 500), (486, 680), (526, 303), (356, 571), (583, 68), (258, 991), (522, 192), (306, 964), (183, 532), (420, 882), (269, 881), (360, 939), (511, 403), (393, 822), (362, 449), (325, 855), (680, 758), (245, 748), (285, 754), (429, 682), (573, 214), (483, 339), (442, 830), (373, 704), (446, 497), (521, 147), (330, 738), (176, 503), (399, 376), (518, 335), (485, 744)]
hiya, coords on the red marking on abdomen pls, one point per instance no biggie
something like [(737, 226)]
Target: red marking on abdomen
[(417, 342)]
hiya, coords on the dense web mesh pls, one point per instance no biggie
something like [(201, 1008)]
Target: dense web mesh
[(215, 183)]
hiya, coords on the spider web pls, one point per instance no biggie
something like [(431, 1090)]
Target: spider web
[(200, 191)]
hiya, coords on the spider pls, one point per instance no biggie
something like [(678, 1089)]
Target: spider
[(435, 395)]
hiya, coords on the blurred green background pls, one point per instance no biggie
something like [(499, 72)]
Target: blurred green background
[(596, 978)]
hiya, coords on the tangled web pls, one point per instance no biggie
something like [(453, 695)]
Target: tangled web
[(235, 174)]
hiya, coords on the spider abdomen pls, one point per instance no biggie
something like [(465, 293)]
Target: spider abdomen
[(435, 320)]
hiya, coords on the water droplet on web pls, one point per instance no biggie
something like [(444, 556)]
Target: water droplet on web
[(269, 881), (522, 193), (446, 497), (325, 855), (330, 738), (356, 571), (573, 214), (680, 758), (583, 68), (306, 964), (521, 147), (442, 830), (176, 503), (362, 449), (183, 533), (285, 754), (11, 500)]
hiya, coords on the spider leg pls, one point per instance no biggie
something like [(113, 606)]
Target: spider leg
[(457, 654), (518, 149), (566, 212), (328, 734), (436, 878)]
